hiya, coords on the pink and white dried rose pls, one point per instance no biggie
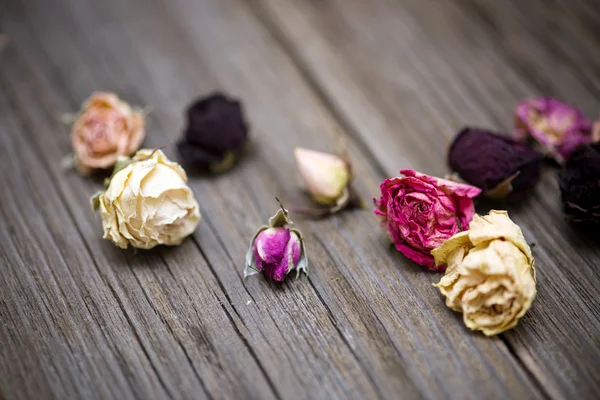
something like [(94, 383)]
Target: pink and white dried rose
[(105, 129)]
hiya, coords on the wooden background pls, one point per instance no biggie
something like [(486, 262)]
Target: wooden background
[(80, 318)]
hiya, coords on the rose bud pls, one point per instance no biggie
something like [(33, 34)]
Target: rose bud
[(490, 276), (147, 203), (327, 178), (215, 135), (495, 163), (419, 212), (579, 182), (556, 128), (276, 250), (105, 129)]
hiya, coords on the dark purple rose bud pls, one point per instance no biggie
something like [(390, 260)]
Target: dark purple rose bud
[(579, 182), (276, 250), (215, 135), (494, 163)]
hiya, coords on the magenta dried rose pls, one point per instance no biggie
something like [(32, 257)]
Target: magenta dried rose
[(557, 128), (419, 212), (216, 133), (495, 163), (579, 182), (276, 250)]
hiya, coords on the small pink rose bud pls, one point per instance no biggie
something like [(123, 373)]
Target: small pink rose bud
[(276, 250), (557, 128)]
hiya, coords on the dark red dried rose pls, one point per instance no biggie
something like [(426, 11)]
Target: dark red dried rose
[(579, 182), (216, 133), (495, 163)]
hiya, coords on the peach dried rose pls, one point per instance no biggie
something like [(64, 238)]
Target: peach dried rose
[(105, 128)]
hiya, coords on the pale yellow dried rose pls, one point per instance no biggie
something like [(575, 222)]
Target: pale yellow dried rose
[(490, 275), (105, 129), (148, 203)]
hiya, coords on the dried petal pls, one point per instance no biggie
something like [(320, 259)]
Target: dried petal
[(490, 274), (419, 212), (276, 250), (495, 163), (216, 133), (555, 127), (148, 203), (105, 129), (579, 182)]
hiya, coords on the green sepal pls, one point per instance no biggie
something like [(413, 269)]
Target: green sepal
[(121, 163), (302, 265), (281, 218), (251, 268), (95, 201)]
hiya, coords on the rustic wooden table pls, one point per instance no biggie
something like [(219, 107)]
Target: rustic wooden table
[(81, 318)]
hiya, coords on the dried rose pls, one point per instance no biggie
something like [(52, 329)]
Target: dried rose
[(579, 182), (495, 163), (147, 202), (276, 250), (490, 276), (105, 129), (419, 212), (556, 128), (215, 135)]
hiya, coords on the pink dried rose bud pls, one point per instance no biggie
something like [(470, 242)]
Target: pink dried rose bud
[(557, 128), (419, 212), (105, 129), (276, 250)]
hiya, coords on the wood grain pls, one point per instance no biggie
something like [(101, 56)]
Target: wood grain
[(83, 319), (467, 63)]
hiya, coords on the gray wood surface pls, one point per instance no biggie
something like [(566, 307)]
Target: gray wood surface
[(80, 318)]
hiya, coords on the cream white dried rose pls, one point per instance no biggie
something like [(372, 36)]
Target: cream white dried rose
[(105, 129), (147, 202), (490, 275)]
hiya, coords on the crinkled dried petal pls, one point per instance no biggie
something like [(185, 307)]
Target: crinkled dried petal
[(497, 225)]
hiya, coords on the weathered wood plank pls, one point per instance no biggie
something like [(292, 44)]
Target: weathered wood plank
[(292, 372), (436, 69)]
